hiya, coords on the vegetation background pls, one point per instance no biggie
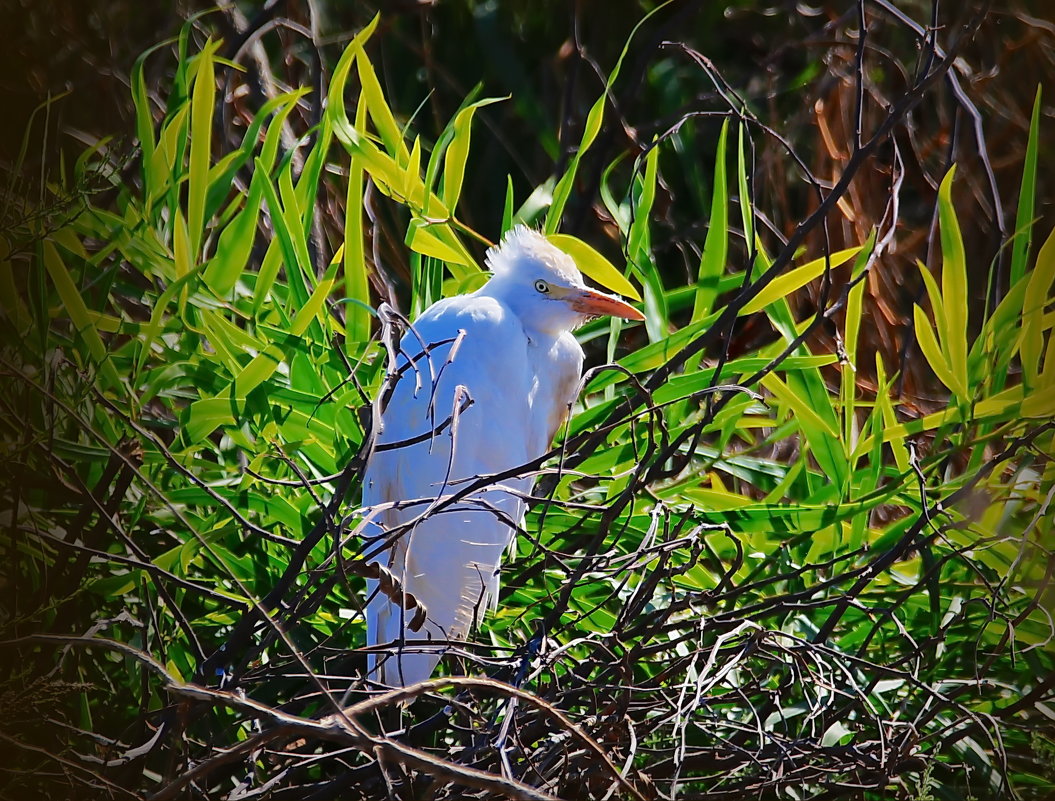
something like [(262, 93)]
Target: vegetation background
[(797, 544)]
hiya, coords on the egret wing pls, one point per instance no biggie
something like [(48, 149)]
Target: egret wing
[(460, 409)]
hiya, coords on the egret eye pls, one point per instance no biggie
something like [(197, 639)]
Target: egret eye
[(542, 286)]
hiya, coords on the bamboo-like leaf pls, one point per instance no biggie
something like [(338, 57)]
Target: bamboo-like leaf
[(308, 181), (78, 313), (1038, 296), (421, 239), (684, 386), (953, 284), (412, 173), (784, 285), (457, 153), (716, 244), (809, 417), (848, 372), (1026, 197), (162, 168), (934, 294), (594, 265), (335, 98), (356, 283), (285, 237), (222, 173), (268, 273), (822, 437), (206, 415), (507, 209), (747, 219), (202, 103), (378, 107), (1010, 405), (892, 434), (928, 345), (236, 242), (639, 248), (144, 119), (182, 249), (594, 119), (854, 300)]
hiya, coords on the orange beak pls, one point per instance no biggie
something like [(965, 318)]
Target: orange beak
[(598, 304)]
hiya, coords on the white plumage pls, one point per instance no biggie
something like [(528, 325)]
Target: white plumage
[(508, 348)]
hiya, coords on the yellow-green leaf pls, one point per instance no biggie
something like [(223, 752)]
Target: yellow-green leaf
[(78, 313), (593, 264), (931, 350), (356, 285), (953, 282), (421, 239), (1038, 296), (784, 285), (202, 102)]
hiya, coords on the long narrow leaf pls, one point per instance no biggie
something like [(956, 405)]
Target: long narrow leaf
[(204, 98), (953, 283)]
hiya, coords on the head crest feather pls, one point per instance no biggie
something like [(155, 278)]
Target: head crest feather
[(523, 246)]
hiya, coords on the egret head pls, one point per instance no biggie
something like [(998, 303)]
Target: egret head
[(541, 283)]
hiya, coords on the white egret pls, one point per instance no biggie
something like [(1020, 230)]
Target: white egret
[(484, 382)]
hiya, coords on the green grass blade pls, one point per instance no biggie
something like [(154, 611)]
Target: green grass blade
[(236, 242), (206, 415), (639, 249), (1027, 192), (75, 307), (457, 154), (380, 113), (746, 215), (507, 208), (202, 103), (356, 283), (953, 327), (783, 285), (851, 332), (932, 352), (716, 244)]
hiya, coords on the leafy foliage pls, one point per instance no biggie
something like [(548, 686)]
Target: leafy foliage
[(745, 572)]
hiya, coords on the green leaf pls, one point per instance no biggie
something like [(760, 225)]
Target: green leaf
[(783, 285), (356, 282), (422, 239), (928, 345), (639, 250), (204, 99), (206, 415), (746, 214), (236, 241), (507, 208), (594, 265), (953, 328), (454, 160), (716, 244), (1024, 218), (1038, 297), (78, 312), (887, 420), (377, 106)]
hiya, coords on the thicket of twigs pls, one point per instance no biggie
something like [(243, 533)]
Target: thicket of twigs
[(795, 540)]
